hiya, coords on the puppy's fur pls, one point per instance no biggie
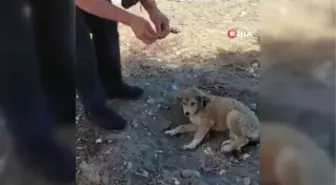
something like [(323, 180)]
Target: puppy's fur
[(289, 157), (208, 112)]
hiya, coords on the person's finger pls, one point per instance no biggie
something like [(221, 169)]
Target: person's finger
[(158, 28), (165, 29), (148, 38), (151, 31)]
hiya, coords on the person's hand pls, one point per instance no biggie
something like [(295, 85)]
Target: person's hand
[(160, 21), (143, 30)]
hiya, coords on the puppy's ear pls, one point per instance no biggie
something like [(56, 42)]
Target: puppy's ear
[(203, 100)]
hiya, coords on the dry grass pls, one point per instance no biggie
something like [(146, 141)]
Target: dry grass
[(203, 29)]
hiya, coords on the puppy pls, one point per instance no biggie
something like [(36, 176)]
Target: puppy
[(289, 157), (207, 112)]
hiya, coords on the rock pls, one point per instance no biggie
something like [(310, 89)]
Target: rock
[(208, 151), (174, 30), (128, 165), (190, 174), (255, 65), (135, 123), (174, 87), (247, 181), (222, 172), (253, 106), (246, 156), (150, 100), (99, 140), (176, 181), (144, 173)]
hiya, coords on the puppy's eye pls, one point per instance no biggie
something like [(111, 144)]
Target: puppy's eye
[(192, 103)]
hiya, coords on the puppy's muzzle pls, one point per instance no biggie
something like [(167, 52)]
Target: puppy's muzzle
[(187, 113)]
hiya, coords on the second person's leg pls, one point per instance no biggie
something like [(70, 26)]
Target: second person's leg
[(87, 80), (106, 41)]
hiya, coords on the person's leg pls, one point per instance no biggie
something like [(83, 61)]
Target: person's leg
[(23, 101), (54, 26), (106, 40), (88, 83)]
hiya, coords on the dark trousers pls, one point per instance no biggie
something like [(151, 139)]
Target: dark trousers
[(98, 69), (36, 66)]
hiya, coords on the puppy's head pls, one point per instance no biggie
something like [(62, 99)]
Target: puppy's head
[(193, 101)]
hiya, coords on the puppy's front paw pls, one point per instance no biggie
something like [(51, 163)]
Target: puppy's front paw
[(170, 132), (226, 148), (189, 147)]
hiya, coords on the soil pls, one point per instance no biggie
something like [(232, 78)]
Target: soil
[(198, 54)]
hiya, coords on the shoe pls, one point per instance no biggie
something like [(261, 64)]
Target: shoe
[(106, 118), (125, 91), (50, 160), (128, 3)]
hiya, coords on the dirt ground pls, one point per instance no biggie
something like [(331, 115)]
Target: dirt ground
[(200, 54)]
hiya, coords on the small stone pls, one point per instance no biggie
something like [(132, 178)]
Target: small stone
[(247, 181), (251, 70), (174, 87), (222, 172), (150, 100), (174, 30), (99, 140), (190, 174), (255, 65), (253, 106), (208, 151), (233, 159), (245, 156), (144, 173), (135, 123), (176, 182), (128, 165)]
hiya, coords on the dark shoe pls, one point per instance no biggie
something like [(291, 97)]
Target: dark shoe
[(106, 118), (125, 91), (128, 3), (54, 162)]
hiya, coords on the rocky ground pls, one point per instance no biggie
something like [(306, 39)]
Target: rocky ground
[(201, 54)]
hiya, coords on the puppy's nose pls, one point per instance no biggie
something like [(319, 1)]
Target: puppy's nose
[(187, 113)]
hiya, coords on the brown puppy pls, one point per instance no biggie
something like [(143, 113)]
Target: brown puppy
[(207, 112), (289, 157)]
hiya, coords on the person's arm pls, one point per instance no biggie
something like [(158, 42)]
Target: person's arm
[(149, 5), (106, 10)]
